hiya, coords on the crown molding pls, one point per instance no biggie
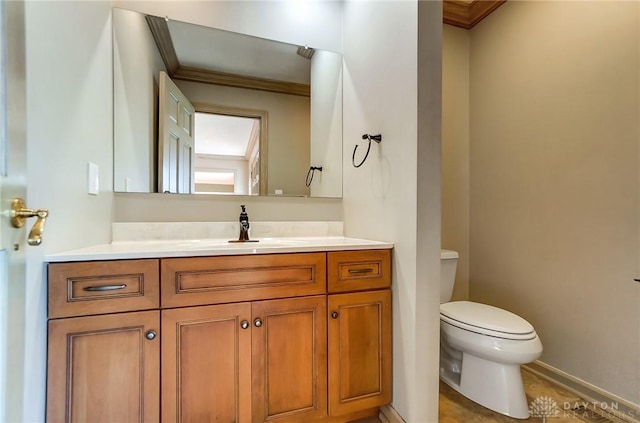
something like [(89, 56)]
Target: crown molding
[(162, 37), (465, 14)]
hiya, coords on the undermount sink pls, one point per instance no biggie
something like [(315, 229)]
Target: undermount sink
[(257, 243)]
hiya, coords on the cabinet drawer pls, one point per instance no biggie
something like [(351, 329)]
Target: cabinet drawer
[(85, 288), (358, 270), (224, 279)]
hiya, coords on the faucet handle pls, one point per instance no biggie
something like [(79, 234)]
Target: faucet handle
[(244, 217)]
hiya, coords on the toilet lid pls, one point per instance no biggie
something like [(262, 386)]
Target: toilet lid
[(486, 319)]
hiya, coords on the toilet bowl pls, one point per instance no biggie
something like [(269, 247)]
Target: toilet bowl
[(482, 348)]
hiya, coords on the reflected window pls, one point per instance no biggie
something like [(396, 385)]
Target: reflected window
[(227, 150), (215, 181)]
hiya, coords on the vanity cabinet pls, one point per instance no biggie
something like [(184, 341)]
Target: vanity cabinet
[(258, 361), (296, 337), (359, 330)]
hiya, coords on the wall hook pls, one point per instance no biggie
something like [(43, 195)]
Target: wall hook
[(310, 173), (377, 138)]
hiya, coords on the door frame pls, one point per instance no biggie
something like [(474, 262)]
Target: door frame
[(13, 297)]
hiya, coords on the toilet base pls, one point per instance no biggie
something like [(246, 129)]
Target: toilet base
[(496, 386)]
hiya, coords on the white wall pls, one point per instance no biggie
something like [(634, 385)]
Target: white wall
[(69, 123), (555, 139), (392, 85), (315, 23)]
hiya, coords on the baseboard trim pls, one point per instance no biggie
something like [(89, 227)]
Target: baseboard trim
[(388, 414), (602, 400)]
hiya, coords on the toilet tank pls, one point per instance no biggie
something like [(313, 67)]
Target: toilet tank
[(448, 263)]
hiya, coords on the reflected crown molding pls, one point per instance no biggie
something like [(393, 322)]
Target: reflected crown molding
[(161, 35), (466, 14)]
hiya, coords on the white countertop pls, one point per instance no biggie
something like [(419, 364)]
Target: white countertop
[(214, 247)]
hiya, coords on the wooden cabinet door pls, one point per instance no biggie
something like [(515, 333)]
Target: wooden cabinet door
[(289, 359), (359, 351), (104, 368), (206, 364)]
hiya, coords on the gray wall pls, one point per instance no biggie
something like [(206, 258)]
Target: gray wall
[(455, 151), (553, 162)]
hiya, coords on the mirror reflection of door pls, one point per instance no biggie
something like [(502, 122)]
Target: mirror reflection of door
[(176, 139), (216, 150), (227, 154)]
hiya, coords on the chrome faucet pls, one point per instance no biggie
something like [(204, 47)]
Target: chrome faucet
[(244, 225)]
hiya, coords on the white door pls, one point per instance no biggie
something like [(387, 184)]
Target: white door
[(176, 147), (12, 184)]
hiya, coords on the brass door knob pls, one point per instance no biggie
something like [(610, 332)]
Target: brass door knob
[(20, 213)]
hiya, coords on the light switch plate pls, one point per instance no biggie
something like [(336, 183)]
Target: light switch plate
[(93, 179)]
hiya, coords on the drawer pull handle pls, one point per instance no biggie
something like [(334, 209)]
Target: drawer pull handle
[(257, 323), (105, 287), (361, 271), (334, 315), (151, 335), (244, 324)]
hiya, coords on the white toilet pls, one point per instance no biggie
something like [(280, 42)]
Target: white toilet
[(482, 348)]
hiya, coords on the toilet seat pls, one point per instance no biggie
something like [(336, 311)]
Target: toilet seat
[(486, 320)]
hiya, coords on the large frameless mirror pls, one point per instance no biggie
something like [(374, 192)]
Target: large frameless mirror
[(200, 110)]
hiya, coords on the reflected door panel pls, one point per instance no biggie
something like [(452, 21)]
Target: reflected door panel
[(176, 139)]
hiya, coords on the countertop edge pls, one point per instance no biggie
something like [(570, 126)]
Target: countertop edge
[(150, 250)]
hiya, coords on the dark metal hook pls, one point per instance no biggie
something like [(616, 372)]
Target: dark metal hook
[(311, 172), (377, 138)]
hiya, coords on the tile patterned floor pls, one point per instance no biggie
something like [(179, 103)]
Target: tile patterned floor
[(455, 408)]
